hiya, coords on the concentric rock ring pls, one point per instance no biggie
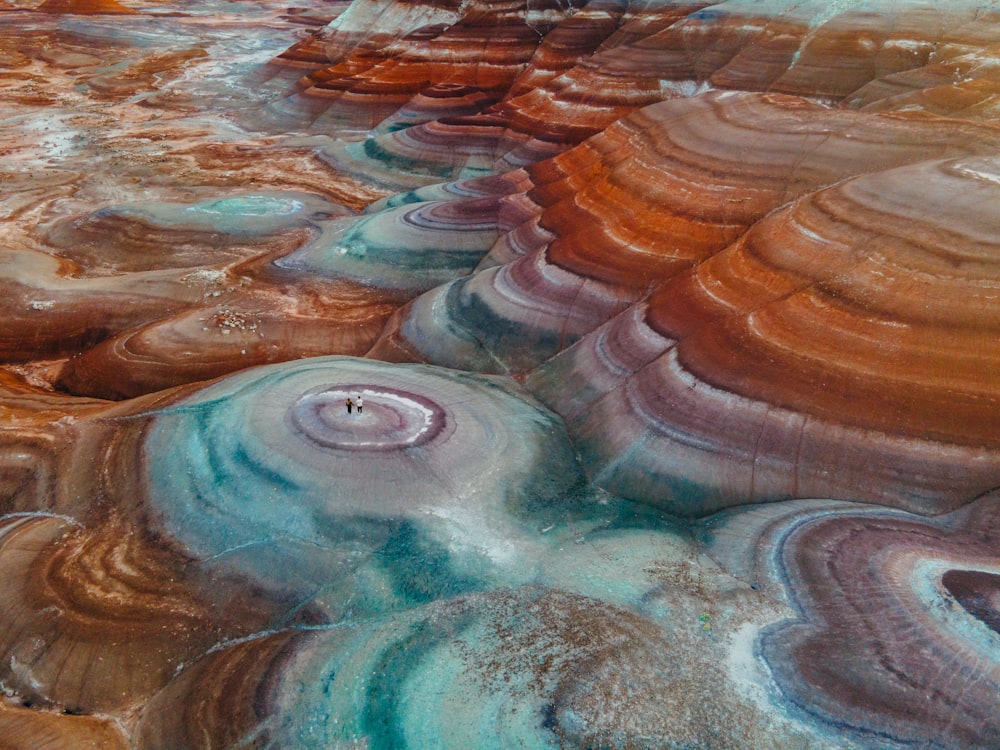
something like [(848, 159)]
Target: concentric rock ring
[(895, 639), (395, 419), (268, 464)]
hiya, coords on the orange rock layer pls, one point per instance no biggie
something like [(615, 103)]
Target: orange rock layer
[(85, 7)]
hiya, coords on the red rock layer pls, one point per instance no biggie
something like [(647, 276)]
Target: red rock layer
[(621, 77), (123, 340), (37, 433), (653, 196), (484, 46), (25, 728), (224, 696), (868, 304), (573, 38), (666, 52), (844, 347), (372, 22), (70, 322), (85, 7), (207, 342), (106, 242), (680, 181), (98, 619), (437, 102), (605, 61)]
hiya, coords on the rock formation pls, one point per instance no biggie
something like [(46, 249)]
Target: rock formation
[(675, 326)]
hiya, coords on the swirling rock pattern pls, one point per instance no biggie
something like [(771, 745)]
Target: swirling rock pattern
[(275, 460), (410, 248), (890, 608), (878, 245), (677, 351), (84, 630), (176, 292), (157, 235), (520, 314), (531, 665)]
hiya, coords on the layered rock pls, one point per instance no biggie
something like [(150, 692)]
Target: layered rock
[(385, 53), (158, 294), (651, 197), (264, 448), (98, 620), (85, 7), (25, 728), (874, 383), (598, 65), (719, 261), (889, 607)]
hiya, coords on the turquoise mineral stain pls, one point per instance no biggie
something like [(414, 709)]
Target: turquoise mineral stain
[(250, 205)]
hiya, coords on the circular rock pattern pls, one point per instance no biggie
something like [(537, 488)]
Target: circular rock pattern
[(437, 470), (394, 419), (894, 642)]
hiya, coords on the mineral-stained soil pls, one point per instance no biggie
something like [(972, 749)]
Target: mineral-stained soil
[(533, 373)]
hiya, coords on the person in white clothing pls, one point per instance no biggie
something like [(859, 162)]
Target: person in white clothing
[(359, 403)]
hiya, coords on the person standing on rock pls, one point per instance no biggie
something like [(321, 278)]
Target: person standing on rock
[(350, 404), (359, 402)]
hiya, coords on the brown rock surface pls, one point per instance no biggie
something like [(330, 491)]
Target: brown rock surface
[(734, 262)]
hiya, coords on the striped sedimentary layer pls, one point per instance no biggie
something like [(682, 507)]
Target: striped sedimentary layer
[(753, 297), (654, 195), (99, 618), (843, 347), (408, 248), (438, 463), (144, 296), (26, 728), (838, 374), (760, 267), (891, 610), (581, 71), (382, 55)]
